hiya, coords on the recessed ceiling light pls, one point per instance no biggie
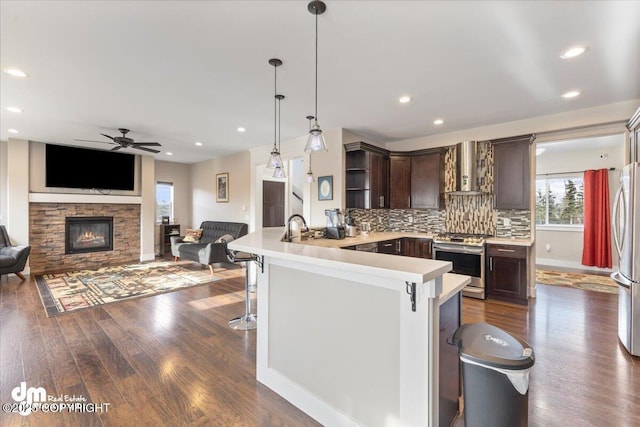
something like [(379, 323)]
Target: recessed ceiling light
[(15, 72), (573, 52), (438, 122), (12, 130), (571, 94), (540, 151), (14, 109), (404, 99), (169, 153), (241, 129), (199, 144)]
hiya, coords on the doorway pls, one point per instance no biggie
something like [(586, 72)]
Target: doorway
[(273, 193), (560, 167)]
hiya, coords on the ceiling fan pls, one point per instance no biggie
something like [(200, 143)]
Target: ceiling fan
[(125, 142)]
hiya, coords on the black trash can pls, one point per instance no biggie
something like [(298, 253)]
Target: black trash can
[(495, 376)]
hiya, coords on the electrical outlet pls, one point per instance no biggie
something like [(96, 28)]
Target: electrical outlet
[(548, 247), (506, 222), (410, 219)]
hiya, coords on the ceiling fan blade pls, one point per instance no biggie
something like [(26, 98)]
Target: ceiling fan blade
[(145, 149), (89, 140), (110, 137), (148, 144), (116, 148)]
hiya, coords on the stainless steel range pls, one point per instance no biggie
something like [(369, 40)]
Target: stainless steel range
[(467, 253)]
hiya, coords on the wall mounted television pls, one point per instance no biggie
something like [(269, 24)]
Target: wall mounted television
[(75, 167)]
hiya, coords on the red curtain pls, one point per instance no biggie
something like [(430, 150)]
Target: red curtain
[(596, 248)]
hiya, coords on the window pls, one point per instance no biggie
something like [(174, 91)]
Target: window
[(164, 200), (560, 200)]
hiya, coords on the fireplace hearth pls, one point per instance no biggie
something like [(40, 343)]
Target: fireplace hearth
[(88, 234)]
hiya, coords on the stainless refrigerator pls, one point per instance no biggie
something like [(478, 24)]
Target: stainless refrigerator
[(626, 234)]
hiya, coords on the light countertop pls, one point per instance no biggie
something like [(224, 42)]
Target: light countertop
[(510, 241), (452, 284), (268, 242), (374, 236), (327, 253), (378, 236)]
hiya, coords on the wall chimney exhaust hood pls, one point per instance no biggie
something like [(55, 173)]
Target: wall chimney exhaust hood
[(466, 169)]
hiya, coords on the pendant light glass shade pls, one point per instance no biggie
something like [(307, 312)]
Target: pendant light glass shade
[(279, 173), (316, 141), (275, 161), (310, 179)]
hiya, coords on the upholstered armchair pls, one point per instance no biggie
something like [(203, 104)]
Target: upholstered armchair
[(209, 250), (12, 258)]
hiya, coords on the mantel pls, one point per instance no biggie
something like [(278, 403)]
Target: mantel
[(83, 198)]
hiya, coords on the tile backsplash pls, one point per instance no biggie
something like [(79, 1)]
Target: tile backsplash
[(462, 214), (417, 220), (470, 214)]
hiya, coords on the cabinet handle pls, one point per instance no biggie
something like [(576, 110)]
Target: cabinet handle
[(409, 201), (398, 247), (506, 250), (490, 263), (381, 202)]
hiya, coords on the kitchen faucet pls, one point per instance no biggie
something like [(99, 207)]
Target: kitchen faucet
[(287, 235)]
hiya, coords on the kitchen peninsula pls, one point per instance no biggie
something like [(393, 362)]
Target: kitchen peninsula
[(351, 338)]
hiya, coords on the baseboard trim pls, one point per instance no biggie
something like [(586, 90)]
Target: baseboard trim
[(147, 257), (573, 265)]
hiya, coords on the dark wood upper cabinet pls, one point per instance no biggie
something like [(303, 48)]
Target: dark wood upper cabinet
[(366, 176), (427, 181), (511, 170), (399, 182)]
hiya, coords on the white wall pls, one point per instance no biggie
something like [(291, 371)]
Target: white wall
[(17, 220), (179, 174), (203, 187), (147, 208), (566, 245), (3, 182), (323, 163)]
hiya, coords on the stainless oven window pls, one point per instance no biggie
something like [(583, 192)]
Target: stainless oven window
[(467, 264)]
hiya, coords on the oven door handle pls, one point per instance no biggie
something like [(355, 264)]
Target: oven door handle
[(458, 249)]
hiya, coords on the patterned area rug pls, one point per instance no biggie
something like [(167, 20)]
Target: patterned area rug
[(589, 282), (77, 290)]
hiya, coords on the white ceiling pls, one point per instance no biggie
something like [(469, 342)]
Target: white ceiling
[(177, 72)]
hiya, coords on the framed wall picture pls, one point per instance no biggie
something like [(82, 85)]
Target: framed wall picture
[(325, 187), (222, 187)]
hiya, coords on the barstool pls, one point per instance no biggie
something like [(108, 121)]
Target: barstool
[(248, 320)]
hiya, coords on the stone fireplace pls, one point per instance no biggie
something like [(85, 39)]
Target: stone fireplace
[(88, 234), (48, 236)]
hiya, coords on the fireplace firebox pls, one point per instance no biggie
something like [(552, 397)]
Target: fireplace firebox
[(88, 234)]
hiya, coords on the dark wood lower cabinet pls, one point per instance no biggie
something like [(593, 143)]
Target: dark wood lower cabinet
[(449, 385), (417, 247), (507, 273), (391, 247)]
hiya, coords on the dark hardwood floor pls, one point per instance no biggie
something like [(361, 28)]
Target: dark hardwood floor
[(172, 360)]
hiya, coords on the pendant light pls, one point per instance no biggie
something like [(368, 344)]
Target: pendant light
[(275, 161), (279, 172), (310, 179), (316, 140)]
